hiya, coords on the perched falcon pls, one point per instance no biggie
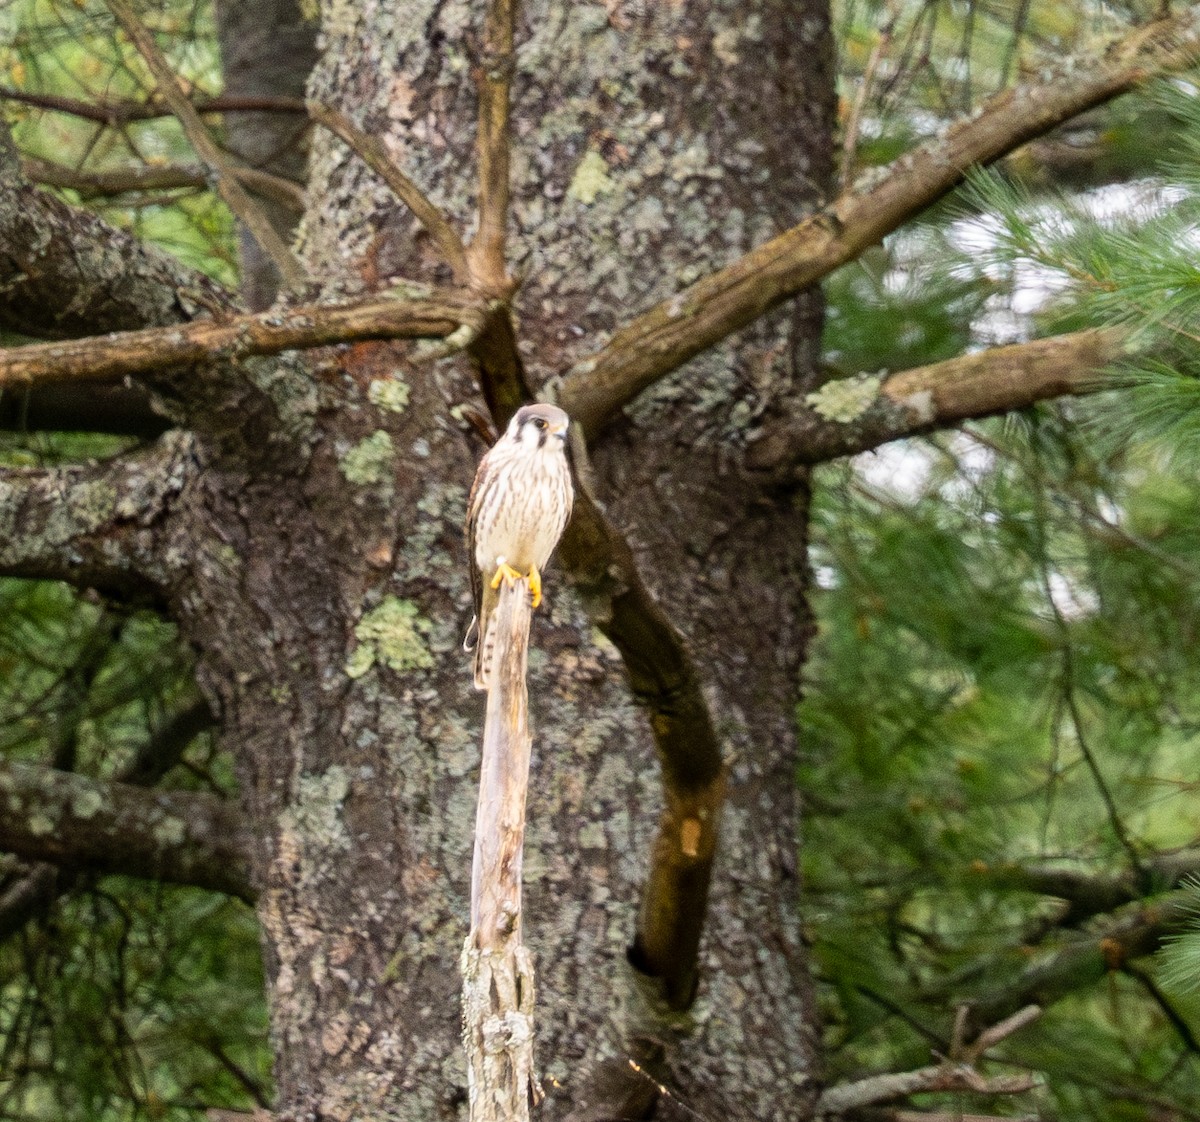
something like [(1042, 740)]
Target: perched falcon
[(519, 506)]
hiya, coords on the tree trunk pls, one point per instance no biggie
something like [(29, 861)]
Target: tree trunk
[(320, 571)]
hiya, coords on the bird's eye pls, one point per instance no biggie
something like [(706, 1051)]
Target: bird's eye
[(540, 422)]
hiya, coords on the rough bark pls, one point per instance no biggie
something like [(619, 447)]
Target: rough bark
[(618, 162)]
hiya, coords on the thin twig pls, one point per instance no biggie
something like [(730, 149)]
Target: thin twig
[(206, 148), (853, 121), (372, 152), (486, 254)]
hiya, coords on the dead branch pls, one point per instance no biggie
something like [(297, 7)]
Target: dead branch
[(206, 148), (94, 525), (372, 152), (97, 184), (132, 353), (997, 380), (486, 254), (112, 111), (496, 967), (663, 338), (70, 820), (950, 1075)]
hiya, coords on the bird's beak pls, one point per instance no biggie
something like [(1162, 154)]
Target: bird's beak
[(559, 430)]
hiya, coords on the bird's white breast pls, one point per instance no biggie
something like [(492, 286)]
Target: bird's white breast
[(524, 527)]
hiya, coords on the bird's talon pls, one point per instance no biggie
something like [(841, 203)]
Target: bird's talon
[(505, 570), (535, 584)]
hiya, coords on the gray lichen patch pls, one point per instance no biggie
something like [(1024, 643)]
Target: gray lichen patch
[(591, 179), (393, 634), (846, 399), (86, 803), (389, 393), (370, 460), (316, 816)]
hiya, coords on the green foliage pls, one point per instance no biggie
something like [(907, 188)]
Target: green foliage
[(1006, 652), (123, 999), (70, 49)]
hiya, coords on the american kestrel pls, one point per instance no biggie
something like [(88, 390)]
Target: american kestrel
[(519, 506)]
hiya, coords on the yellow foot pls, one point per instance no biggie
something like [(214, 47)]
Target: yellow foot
[(505, 570), (535, 585)]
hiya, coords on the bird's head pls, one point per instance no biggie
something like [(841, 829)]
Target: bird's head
[(539, 427)]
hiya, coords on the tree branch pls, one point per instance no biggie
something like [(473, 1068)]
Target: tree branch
[(41, 884), (95, 184), (66, 819), (372, 152), (436, 315), (1088, 894), (205, 147), (663, 338), (914, 401), (93, 525), (105, 111), (486, 254)]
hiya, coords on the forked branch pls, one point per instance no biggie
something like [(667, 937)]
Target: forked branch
[(663, 338), (957, 1072)]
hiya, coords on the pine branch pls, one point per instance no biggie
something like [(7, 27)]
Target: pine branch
[(372, 152), (205, 147), (94, 525), (998, 380), (1129, 934), (663, 338), (69, 820), (41, 884), (439, 314), (1088, 894)]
